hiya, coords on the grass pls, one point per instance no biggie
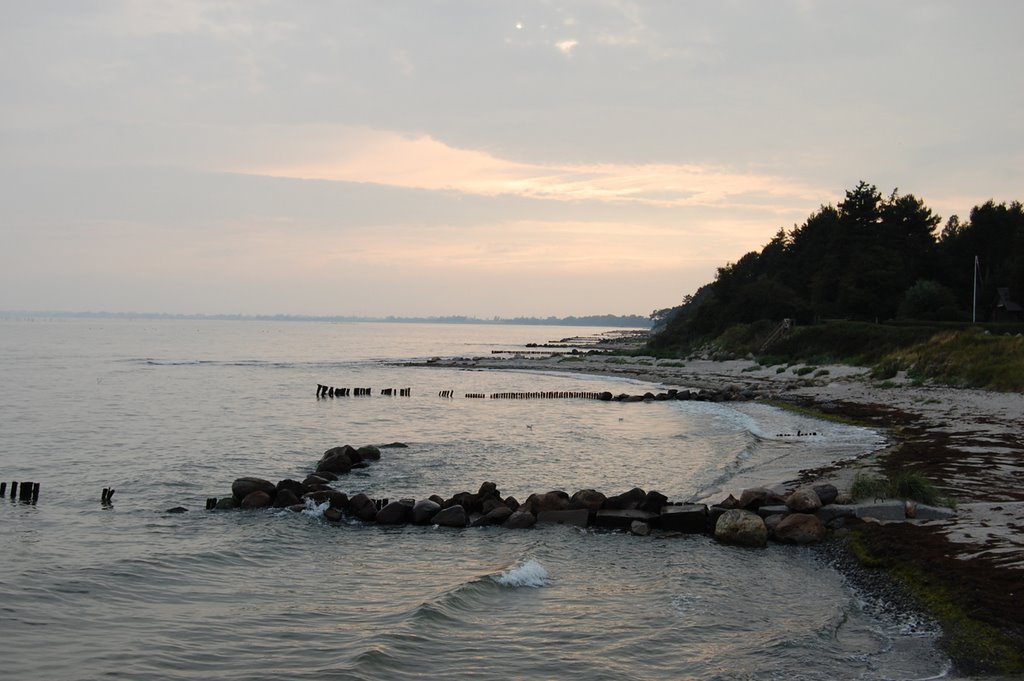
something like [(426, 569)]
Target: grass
[(970, 358), (899, 485), (803, 371)]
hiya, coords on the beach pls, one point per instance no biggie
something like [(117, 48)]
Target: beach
[(969, 442)]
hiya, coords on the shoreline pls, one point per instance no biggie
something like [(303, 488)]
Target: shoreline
[(968, 442)]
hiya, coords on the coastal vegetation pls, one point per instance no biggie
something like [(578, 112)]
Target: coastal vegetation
[(870, 281)]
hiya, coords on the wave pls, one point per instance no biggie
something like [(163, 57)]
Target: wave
[(528, 573)]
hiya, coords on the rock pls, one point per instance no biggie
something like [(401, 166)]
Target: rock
[(771, 521), (490, 503), (741, 527), (639, 528), (512, 503), (799, 528), (690, 518), (827, 493), (803, 500), (520, 520), (424, 510), (622, 519), (467, 500), (285, 498), (242, 487), (579, 517), (754, 498), (337, 499), (590, 499), (257, 499), (332, 514), (177, 509), (314, 481), (453, 516), (327, 475), (296, 487), (496, 516), (556, 500), (729, 502), (653, 502), (362, 507), (925, 512), (395, 445), (488, 489), (395, 513), (338, 459), (368, 453), (625, 501), (226, 503), (774, 509)]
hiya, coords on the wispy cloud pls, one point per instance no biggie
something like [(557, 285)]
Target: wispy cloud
[(422, 162)]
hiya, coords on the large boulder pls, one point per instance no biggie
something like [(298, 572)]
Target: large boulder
[(395, 513), (799, 528), (756, 497), (590, 499), (626, 501), (368, 453), (803, 500), (285, 498), (741, 527), (556, 500), (424, 510), (453, 516), (362, 507), (520, 520), (296, 487), (243, 487), (338, 459), (653, 502), (496, 516), (257, 499), (826, 492)]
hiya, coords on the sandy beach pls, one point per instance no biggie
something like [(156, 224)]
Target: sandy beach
[(970, 443)]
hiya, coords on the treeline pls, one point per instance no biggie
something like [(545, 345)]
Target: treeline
[(616, 321), (870, 258)]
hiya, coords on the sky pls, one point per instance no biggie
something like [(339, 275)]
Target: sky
[(471, 157)]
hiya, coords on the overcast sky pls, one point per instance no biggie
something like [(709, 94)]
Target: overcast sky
[(471, 157)]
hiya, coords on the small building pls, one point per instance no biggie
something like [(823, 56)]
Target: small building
[(1007, 309)]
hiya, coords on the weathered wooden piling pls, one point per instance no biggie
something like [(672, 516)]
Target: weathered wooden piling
[(105, 497), (3, 488), (14, 489)]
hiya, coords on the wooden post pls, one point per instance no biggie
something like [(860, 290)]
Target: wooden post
[(35, 492), (14, 489), (3, 488)]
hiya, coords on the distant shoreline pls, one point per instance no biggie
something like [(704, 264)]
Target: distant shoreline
[(615, 321)]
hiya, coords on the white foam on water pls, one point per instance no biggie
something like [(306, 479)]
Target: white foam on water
[(315, 510), (528, 573)]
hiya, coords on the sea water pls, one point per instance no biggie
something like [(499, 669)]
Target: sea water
[(170, 412)]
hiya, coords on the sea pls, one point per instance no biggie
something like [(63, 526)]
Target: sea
[(168, 412)]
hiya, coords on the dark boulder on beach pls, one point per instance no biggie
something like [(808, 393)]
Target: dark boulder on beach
[(362, 507), (512, 503), (803, 500), (520, 520), (626, 501), (741, 527), (314, 480), (467, 500), (243, 487), (590, 499), (453, 516), (799, 528), (226, 503), (257, 499), (338, 460), (827, 493), (756, 497), (424, 510), (653, 502)]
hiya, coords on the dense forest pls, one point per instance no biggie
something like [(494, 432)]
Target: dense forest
[(870, 258)]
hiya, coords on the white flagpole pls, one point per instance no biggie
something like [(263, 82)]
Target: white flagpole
[(974, 293)]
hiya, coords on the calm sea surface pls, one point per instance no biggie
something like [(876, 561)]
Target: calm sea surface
[(170, 412)]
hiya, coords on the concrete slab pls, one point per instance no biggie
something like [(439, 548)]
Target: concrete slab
[(577, 517), (623, 519), (689, 518), (883, 510)]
